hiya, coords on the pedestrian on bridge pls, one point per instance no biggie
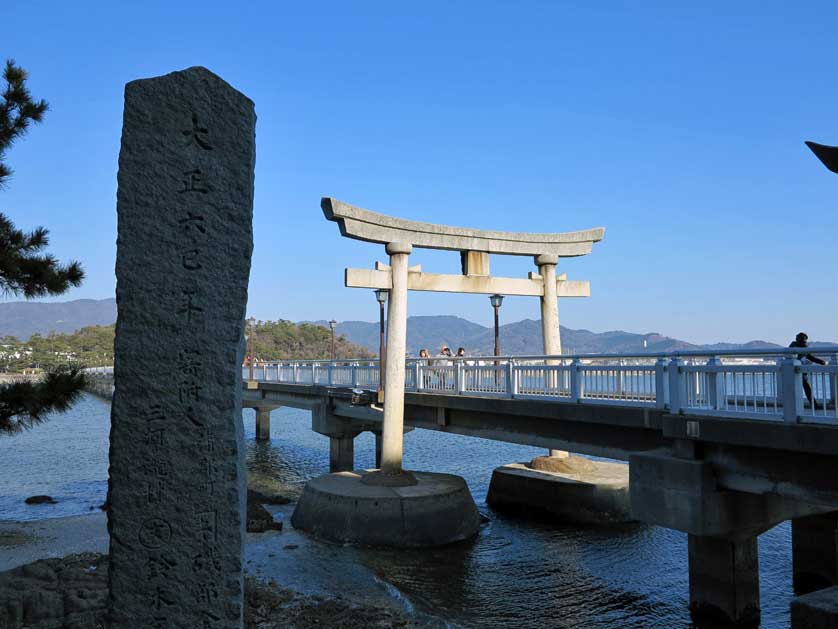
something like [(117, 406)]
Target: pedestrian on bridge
[(802, 340)]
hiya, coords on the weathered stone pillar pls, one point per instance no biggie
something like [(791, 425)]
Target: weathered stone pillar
[(814, 543), (263, 424), (724, 578), (549, 304), (176, 487), (551, 332), (342, 453), (393, 424)]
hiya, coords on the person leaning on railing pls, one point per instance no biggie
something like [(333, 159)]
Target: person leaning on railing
[(444, 360), (426, 358), (802, 340)]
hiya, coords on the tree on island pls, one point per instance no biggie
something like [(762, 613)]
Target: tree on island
[(284, 340), (27, 271)]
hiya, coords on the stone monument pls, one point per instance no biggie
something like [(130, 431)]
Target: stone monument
[(177, 477)]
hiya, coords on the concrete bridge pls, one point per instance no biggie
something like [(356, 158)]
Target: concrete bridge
[(721, 446)]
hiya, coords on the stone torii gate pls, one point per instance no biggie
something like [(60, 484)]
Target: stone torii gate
[(399, 237)]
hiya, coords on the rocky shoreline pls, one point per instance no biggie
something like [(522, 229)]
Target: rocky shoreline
[(54, 574), (71, 593)]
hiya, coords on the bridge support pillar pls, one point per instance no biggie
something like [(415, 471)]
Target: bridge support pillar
[(342, 453), (814, 540), (724, 578), (263, 424), (341, 433)]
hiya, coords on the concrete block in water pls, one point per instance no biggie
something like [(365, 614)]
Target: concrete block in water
[(582, 490)]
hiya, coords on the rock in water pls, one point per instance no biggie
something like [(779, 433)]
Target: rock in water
[(40, 500), (176, 488), (259, 519), (261, 497)]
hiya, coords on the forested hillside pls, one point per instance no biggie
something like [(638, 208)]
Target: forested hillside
[(92, 346)]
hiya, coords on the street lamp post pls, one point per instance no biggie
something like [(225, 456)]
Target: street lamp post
[(332, 325), (251, 323), (381, 296), (496, 301)]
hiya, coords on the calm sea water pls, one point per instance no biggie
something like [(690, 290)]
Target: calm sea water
[(516, 573)]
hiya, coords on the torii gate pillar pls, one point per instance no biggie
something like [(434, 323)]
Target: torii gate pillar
[(551, 332), (549, 304), (393, 424)]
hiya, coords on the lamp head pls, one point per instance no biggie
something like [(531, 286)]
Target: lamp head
[(496, 300), (333, 324), (827, 154), (381, 295)]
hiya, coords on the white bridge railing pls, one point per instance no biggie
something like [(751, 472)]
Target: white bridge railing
[(756, 384)]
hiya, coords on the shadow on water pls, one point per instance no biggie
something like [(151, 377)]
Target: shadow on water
[(519, 572)]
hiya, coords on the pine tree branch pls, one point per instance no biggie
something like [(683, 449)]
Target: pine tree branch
[(24, 272), (17, 111), (25, 404)]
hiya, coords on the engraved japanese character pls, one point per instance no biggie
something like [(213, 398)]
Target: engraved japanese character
[(157, 567), (189, 259), (155, 437), (189, 362), (206, 560), (194, 418), (210, 619), (189, 391), (197, 135), (193, 181), (155, 532), (155, 413), (192, 223), (155, 492), (188, 306), (160, 600), (206, 523), (205, 594)]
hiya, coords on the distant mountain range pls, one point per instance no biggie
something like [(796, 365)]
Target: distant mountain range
[(521, 338), (22, 319)]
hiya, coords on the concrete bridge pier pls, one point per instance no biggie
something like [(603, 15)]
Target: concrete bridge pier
[(724, 578), (814, 542), (263, 424), (342, 452), (680, 490), (341, 433)]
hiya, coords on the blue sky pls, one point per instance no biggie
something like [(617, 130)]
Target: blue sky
[(677, 126)]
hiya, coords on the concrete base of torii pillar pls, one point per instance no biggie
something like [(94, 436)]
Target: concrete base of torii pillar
[(435, 511)]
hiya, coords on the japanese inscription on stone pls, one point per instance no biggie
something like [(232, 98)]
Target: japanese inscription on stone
[(176, 490)]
